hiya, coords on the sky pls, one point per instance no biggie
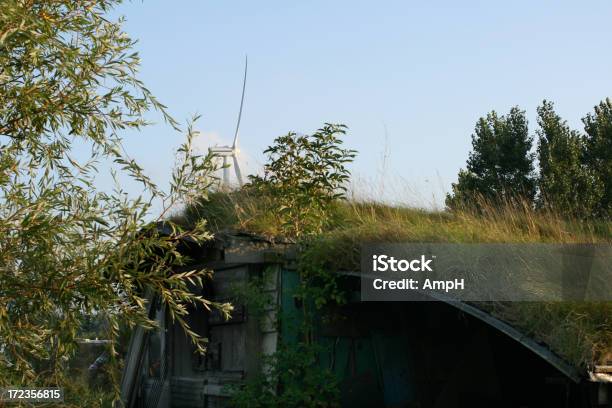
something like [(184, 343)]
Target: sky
[(409, 79)]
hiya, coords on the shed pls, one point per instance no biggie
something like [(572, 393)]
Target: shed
[(435, 354)]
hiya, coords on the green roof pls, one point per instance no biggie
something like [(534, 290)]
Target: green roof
[(580, 332)]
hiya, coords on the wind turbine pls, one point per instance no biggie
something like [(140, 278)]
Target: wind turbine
[(225, 152)]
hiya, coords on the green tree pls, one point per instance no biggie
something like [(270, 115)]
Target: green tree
[(500, 166), (598, 151), (67, 250), (565, 183), (305, 174)]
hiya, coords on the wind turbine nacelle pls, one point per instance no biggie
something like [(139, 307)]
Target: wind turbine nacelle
[(221, 150)]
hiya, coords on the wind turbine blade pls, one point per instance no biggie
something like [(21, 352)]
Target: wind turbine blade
[(246, 66), (238, 173)]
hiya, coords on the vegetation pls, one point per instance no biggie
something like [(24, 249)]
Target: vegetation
[(304, 175), (566, 184), (500, 166), (598, 151), (67, 250), (495, 222), (303, 383), (575, 169)]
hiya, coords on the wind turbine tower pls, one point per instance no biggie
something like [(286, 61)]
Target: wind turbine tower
[(227, 152)]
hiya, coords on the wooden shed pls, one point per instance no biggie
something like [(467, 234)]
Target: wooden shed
[(389, 354)]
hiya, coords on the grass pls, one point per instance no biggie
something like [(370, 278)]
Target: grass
[(579, 332), (244, 211)]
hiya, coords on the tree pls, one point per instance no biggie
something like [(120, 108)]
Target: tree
[(598, 151), (68, 77), (500, 166), (566, 185), (304, 175)]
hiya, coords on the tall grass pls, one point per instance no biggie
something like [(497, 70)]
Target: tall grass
[(491, 222)]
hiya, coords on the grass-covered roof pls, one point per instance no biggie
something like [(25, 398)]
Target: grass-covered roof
[(580, 332)]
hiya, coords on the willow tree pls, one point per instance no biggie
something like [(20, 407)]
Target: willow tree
[(68, 78)]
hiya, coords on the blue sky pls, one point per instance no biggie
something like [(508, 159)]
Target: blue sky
[(409, 77)]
